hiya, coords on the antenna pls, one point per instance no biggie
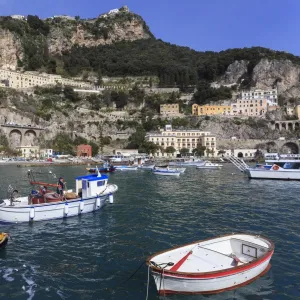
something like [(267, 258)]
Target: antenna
[(99, 174)]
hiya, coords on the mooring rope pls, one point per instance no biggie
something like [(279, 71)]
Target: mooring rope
[(148, 282)]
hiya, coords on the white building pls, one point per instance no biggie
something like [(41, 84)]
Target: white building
[(241, 153), (270, 95), (46, 153), (18, 80), (18, 17), (178, 139)]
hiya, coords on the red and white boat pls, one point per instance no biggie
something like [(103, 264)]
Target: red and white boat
[(211, 266)]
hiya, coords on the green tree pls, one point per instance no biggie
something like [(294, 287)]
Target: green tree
[(150, 148), (170, 150), (63, 143), (137, 139), (71, 94), (199, 151), (77, 18), (184, 151)]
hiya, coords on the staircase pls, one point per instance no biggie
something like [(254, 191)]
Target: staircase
[(239, 163)]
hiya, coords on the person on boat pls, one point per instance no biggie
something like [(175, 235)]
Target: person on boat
[(60, 186), (44, 190)]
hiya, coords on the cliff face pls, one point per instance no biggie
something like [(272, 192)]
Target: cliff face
[(10, 49), (90, 33), (282, 74), (19, 38)]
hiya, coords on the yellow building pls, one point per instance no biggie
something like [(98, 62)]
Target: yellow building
[(179, 139), (208, 110), (169, 109), (29, 151)]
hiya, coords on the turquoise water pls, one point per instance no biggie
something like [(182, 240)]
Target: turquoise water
[(88, 257)]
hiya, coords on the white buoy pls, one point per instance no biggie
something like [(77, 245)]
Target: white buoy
[(66, 209), (98, 202), (111, 198), (81, 205), (31, 213)]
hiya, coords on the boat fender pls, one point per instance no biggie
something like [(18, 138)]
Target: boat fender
[(31, 213), (98, 202), (111, 198), (66, 209), (81, 205)]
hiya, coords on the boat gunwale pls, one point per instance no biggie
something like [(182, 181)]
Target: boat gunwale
[(198, 275), (60, 202)]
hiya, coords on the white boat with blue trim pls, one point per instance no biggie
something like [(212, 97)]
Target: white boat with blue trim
[(126, 168), (166, 172), (210, 165), (92, 193), (280, 167)]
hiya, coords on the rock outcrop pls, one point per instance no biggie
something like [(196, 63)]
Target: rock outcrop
[(10, 49), (282, 74)]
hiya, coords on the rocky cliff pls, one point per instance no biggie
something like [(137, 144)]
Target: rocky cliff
[(283, 74), (21, 39)]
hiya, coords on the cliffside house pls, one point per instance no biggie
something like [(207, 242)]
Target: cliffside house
[(169, 109)]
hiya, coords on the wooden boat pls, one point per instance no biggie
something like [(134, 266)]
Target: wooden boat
[(211, 266), (3, 239)]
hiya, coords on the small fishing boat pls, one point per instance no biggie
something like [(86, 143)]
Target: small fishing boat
[(103, 169), (92, 192), (180, 170), (3, 240), (146, 167), (166, 172), (126, 168), (209, 165), (211, 266), (187, 162)]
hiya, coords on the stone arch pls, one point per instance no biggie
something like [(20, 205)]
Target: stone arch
[(15, 138), (283, 125), (30, 137), (297, 126), (240, 155), (277, 126), (290, 148), (290, 126)]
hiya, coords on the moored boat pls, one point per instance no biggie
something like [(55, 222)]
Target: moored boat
[(186, 162), (91, 194), (147, 167), (166, 172), (103, 169), (280, 167), (3, 240), (127, 168), (209, 165), (211, 266)]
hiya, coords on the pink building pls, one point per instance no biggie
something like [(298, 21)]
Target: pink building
[(251, 107), (84, 150)]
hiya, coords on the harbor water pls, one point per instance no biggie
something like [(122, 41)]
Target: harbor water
[(93, 255)]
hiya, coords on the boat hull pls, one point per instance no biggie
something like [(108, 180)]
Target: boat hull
[(209, 167), (4, 242), (271, 174), (49, 211), (166, 173), (172, 285)]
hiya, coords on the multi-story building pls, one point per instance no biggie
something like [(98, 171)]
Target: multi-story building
[(270, 94), (208, 110), (18, 80), (253, 107), (169, 109), (29, 151), (189, 139)]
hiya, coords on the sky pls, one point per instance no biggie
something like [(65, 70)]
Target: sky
[(204, 25)]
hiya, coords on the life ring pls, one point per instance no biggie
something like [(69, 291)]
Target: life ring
[(275, 168)]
